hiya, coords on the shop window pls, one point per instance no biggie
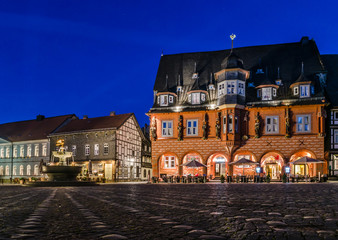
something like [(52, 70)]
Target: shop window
[(169, 162), (303, 123), (192, 128), (272, 124), (167, 128)]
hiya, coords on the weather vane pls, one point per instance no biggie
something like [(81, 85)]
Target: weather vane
[(232, 36)]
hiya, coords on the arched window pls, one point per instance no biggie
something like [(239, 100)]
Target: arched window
[(14, 171), (21, 170), (36, 170), (1, 170), (28, 170), (7, 170)]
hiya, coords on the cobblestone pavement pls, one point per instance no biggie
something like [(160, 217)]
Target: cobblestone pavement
[(171, 211)]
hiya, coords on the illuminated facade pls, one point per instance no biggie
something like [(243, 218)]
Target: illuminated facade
[(263, 103)]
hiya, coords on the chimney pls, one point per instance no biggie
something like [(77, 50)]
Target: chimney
[(85, 116), (40, 117), (112, 113)]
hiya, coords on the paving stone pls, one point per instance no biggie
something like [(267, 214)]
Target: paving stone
[(185, 227), (276, 223), (211, 237), (113, 237)]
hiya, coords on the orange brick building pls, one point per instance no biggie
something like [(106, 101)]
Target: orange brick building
[(263, 103)]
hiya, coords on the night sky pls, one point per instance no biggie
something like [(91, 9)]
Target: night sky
[(93, 57)]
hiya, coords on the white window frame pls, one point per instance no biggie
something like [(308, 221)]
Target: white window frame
[(74, 150), (196, 98), (222, 89), (167, 128), (241, 88), (164, 101), (7, 170), (2, 152), (231, 87), (29, 170), (169, 162), (87, 150), (21, 171), (36, 170), (267, 93), (105, 149), (295, 90), (96, 149), (192, 130), (7, 152), (44, 150), (274, 92), (15, 151), (304, 91), (273, 126), (22, 151), (29, 150), (36, 150), (301, 126)]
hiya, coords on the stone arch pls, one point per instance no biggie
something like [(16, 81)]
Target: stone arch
[(304, 169), (165, 165), (217, 168), (247, 169), (189, 156), (273, 163)]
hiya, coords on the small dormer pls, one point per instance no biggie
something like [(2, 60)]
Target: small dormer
[(179, 87), (211, 85), (166, 99), (197, 97), (302, 87), (266, 89)]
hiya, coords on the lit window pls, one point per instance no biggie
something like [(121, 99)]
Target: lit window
[(304, 91), (224, 124), (169, 162), (231, 88), (29, 151), (171, 99), (164, 100), (105, 149), (303, 123), (230, 123), (87, 149), (1, 170), (15, 151), (266, 94), (7, 170), (74, 150), (21, 170), (96, 149), (28, 170), (36, 151), (22, 150), (2, 152), (14, 170), (272, 124), (7, 152), (36, 170), (192, 129), (44, 150), (195, 98), (167, 128)]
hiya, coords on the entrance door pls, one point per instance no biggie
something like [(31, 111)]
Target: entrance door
[(272, 170), (219, 169)]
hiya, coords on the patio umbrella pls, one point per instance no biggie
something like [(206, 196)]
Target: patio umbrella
[(305, 160), (193, 164), (242, 162)]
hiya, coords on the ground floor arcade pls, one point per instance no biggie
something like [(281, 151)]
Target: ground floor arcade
[(271, 163)]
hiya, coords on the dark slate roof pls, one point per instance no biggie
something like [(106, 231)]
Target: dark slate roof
[(331, 65), (288, 57), (108, 122), (31, 129)]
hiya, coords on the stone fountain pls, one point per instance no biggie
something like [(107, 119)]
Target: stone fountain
[(62, 172)]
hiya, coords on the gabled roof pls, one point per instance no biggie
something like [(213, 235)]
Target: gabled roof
[(331, 64), (106, 122), (31, 129)]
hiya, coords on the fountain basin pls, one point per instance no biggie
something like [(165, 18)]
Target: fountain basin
[(61, 173)]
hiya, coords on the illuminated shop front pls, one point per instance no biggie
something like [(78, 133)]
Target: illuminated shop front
[(272, 163), (309, 169), (168, 165), (248, 169), (192, 171), (217, 166)]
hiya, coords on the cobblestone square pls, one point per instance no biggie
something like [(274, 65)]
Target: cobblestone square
[(171, 211)]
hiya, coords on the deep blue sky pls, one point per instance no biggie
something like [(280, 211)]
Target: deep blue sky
[(91, 57)]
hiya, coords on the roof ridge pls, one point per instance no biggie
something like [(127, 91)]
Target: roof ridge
[(30, 120)]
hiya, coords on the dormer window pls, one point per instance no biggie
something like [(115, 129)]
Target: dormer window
[(171, 99), (274, 92), (221, 89), (295, 91), (266, 94), (194, 75), (164, 100), (304, 91), (195, 98), (231, 87), (241, 90)]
